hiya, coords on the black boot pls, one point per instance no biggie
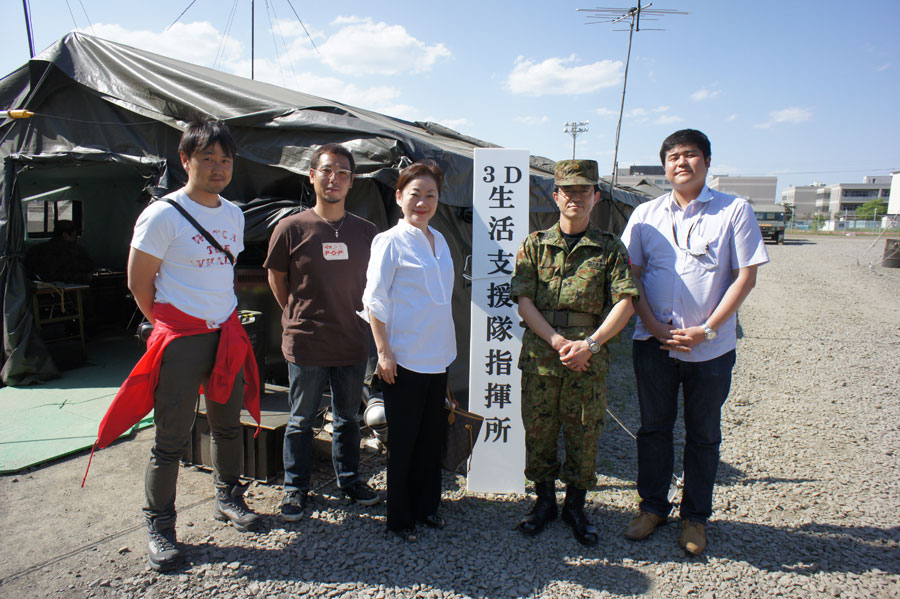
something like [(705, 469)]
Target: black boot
[(543, 511), (164, 554), (573, 515), (230, 505)]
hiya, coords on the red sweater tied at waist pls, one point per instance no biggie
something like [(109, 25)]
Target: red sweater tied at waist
[(135, 397)]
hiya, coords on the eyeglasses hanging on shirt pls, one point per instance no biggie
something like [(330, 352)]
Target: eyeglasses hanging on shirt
[(699, 247)]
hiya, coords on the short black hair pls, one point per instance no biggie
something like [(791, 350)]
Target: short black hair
[(203, 133), (337, 150), (686, 137)]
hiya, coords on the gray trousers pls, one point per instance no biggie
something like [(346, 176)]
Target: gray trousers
[(186, 364)]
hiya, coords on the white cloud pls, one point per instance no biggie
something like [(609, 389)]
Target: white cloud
[(732, 118), (606, 112), (553, 77), (206, 44), (291, 29), (658, 115), (668, 119), (532, 120), (637, 114), (705, 94), (203, 49), (364, 47), (883, 67), (348, 20), (793, 115)]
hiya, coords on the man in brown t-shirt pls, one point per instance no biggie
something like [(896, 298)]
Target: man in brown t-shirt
[(317, 270)]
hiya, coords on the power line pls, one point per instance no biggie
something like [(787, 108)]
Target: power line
[(71, 14), (182, 14), (865, 170), (299, 20), (91, 25)]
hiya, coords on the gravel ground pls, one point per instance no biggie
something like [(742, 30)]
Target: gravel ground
[(806, 505)]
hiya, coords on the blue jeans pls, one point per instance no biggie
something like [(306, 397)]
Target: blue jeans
[(307, 383), (705, 386)]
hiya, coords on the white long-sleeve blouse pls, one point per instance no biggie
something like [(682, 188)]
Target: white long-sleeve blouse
[(409, 288)]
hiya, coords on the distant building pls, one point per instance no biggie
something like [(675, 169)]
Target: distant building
[(637, 181), (801, 199), (647, 169), (756, 190), (841, 198), (639, 175)]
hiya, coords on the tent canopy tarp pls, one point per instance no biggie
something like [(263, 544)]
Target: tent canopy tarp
[(106, 130)]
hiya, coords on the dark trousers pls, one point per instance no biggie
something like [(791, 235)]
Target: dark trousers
[(705, 386), (417, 423), (186, 364)]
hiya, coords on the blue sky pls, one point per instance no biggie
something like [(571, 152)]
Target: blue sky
[(803, 89)]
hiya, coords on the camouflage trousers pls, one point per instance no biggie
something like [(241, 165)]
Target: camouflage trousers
[(575, 403)]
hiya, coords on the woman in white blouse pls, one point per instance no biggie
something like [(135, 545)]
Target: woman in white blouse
[(409, 284)]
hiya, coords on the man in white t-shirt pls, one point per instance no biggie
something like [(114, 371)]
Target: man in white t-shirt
[(694, 252), (184, 285)]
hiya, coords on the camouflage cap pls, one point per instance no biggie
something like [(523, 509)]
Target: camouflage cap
[(576, 172)]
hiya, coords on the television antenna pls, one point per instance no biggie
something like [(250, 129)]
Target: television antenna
[(632, 16)]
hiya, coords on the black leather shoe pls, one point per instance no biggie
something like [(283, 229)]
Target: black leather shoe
[(573, 515), (543, 511), (434, 521), (404, 534)]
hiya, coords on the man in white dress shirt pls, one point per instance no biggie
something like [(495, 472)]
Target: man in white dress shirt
[(695, 252)]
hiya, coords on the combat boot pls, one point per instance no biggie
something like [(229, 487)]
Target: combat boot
[(543, 511), (164, 554), (230, 506), (573, 515)]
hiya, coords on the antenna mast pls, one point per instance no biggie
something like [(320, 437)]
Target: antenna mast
[(633, 15), (28, 28)]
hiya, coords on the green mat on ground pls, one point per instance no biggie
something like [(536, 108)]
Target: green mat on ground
[(43, 422)]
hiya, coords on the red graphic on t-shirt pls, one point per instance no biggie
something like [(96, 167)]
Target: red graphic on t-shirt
[(216, 258)]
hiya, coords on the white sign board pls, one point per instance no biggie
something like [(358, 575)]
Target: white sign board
[(894, 198), (499, 225)]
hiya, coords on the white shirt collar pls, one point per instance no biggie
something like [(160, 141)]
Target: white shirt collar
[(703, 197), (418, 233)]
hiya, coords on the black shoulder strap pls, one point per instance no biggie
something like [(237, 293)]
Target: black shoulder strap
[(200, 228)]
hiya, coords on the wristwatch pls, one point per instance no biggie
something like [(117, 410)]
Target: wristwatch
[(593, 345), (710, 334)]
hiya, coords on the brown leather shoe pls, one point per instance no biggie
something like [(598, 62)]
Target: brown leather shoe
[(693, 537), (641, 527)]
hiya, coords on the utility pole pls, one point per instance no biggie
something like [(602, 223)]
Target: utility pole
[(615, 16), (573, 129)]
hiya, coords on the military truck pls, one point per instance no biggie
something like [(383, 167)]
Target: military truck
[(771, 218)]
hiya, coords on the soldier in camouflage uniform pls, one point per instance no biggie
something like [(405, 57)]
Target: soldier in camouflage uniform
[(575, 291)]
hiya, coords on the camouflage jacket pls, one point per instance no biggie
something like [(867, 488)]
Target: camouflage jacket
[(592, 278)]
